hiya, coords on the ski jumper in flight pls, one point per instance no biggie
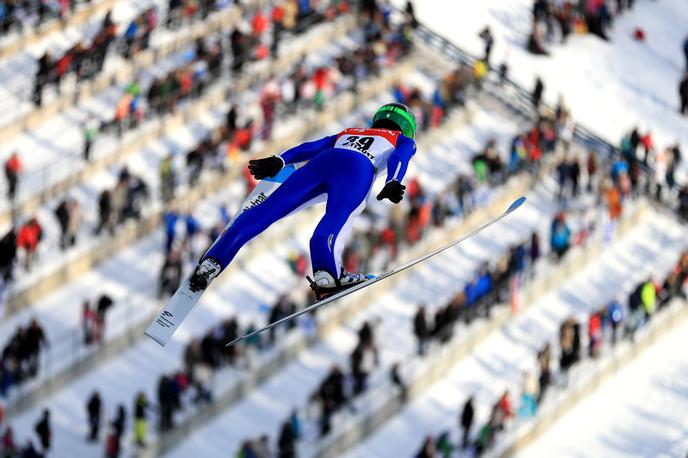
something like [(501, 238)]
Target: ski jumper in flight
[(342, 167)]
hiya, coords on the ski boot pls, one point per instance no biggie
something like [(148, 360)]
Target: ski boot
[(205, 272), (325, 285)]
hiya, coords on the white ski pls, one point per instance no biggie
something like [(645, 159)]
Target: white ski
[(171, 316), (513, 207)]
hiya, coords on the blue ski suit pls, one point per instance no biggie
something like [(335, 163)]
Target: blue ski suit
[(342, 167)]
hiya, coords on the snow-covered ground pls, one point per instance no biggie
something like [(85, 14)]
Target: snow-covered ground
[(640, 411), (500, 362), (610, 86)]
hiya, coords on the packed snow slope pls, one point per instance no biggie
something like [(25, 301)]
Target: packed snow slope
[(640, 411), (610, 86)]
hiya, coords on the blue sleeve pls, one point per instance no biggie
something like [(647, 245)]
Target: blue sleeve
[(307, 151), (398, 161)]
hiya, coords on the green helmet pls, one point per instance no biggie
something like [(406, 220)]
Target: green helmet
[(395, 116)]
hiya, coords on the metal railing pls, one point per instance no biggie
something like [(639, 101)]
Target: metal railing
[(67, 355)]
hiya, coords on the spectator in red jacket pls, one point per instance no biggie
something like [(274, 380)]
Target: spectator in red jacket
[(62, 66), (648, 145), (259, 24), (29, 236), (277, 18), (13, 167)]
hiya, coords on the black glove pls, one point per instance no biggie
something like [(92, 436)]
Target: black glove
[(393, 191), (267, 167)]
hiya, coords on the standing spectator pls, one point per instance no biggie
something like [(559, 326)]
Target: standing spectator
[(488, 42), (44, 431), (535, 250), (285, 444), (237, 41), (358, 368), (467, 415), (61, 68), (43, 76), (561, 236), (569, 342), (529, 393), (594, 334), (141, 405), (119, 423), (615, 314), (591, 168), (94, 410), (29, 236), (428, 449), (114, 438), (166, 403), (13, 167), (102, 306), (277, 17), (88, 322), (7, 444), (91, 127), (8, 253), (167, 179), (395, 378), (544, 361), (685, 51), (537, 93), (648, 298), (535, 45), (170, 274), (35, 341), (683, 94), (420, 329), (105, 220), (62, 215), (69, 217)]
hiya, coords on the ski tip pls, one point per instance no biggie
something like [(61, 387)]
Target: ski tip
[(237, 340), (517, 203)]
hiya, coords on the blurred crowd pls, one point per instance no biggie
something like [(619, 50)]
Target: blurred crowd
[(555, 21), (17, 16), (383, 44), (578, 340)]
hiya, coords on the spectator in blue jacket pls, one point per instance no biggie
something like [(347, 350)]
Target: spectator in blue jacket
[(170, 220), (560, 240), (615, 315)]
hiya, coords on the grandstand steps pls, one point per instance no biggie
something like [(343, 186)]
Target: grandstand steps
[(81, 15), (498, 363), (300, 223), (73, 94), (385, 404), (296, 350), (606, 366), (331, 319), (81, 383)]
